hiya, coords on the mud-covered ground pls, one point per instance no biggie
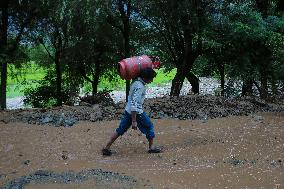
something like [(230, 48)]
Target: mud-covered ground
[(224, 152)]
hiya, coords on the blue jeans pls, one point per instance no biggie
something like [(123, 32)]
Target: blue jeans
[(144, 124)]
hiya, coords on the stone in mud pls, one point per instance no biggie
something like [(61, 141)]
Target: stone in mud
[(26, 162), (42, 173), (96, 116), (47, 119), (69, 122)]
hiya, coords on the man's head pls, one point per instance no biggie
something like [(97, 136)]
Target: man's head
[(148, 74)]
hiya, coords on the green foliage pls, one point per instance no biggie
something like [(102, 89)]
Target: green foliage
[(23, 77), (250, 43), (44, 94), (116, 83), (244, 37), (205, 67), (38, 54), (163, 77), (40, 97), (32, 76)]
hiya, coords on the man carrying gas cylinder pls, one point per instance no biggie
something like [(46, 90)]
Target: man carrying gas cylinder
[(134, 115)]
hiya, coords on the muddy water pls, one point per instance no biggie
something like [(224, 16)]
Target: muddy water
[(232, 152)]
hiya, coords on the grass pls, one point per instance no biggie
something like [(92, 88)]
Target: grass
[(21, 78), (161, 79), (27, 76)]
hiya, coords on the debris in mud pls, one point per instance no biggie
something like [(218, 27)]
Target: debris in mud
[(26, 162), (235, 161), (103, 179)]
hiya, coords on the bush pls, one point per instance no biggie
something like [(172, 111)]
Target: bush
[(44, 95)]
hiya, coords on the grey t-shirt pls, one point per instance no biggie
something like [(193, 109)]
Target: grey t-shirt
[(136, 96)]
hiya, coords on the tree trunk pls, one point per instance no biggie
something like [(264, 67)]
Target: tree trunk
[(194, 81), (96, 78), (4, 71), (178, 80), (247, 87), (274, 86), (127, 54), (221, 69), (177, 83), (58, 78), (3, 50), (126, 35), (94, 88), (280, 5), (263, 6), (264, 87), (184, 67)]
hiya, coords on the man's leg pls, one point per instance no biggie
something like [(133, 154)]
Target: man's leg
[(113, 137), (151, 148), (123, 127), (106, 150), (146, 126), (151, 141)]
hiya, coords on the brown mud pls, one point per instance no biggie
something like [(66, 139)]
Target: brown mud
[(230, 152)]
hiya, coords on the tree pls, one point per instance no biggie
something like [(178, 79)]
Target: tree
[(179, 26), (250, 43), (3, 49), (93, 48), (56, 40), (16, 18), (121, 9)]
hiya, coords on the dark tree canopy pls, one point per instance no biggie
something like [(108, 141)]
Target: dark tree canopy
[(80, 42)]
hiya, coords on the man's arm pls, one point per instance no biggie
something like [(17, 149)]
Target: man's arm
[(135, 106)]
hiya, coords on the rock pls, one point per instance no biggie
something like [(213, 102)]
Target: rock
[(200, 107), (258, 118), (26, 162), (96, 107), (95, 116), (4, 120), (69, 122), (47, 119), (42, 173), (64, 157), (85, 104), (59, 122), (16, 187)]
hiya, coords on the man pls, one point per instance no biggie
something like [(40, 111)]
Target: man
[(134, 114)]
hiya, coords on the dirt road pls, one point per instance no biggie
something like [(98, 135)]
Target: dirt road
[(231, 152)]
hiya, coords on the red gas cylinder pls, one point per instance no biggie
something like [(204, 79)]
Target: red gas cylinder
[(130, 67)]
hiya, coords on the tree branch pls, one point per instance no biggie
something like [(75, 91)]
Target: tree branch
[(158, 28), (49, 54), (22, 28), (110, 18)]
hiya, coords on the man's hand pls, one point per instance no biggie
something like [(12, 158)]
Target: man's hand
[(134, 125)]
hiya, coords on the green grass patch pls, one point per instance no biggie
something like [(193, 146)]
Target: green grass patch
[(163, 77), (117, 83), (21, 78), (27, 76)]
